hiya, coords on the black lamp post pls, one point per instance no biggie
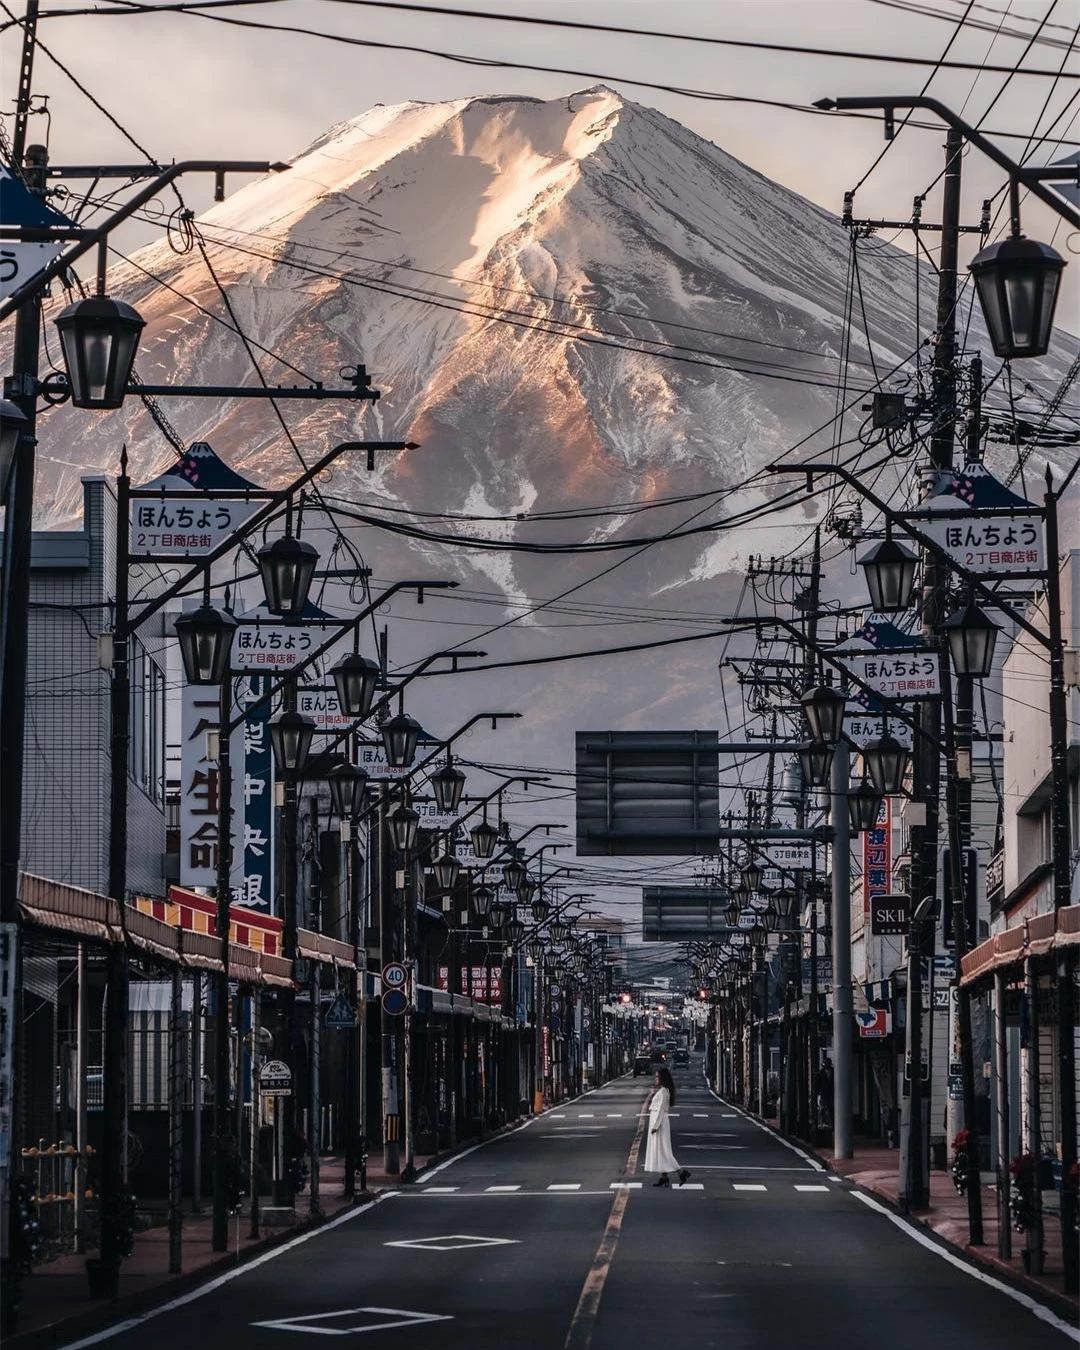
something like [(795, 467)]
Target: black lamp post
[(448, 784), (971, 634), (751, 878), (482, 897), (287, 567), (890, 568), (98, 338), (206, 636), (886, 763), (347, 784), (816, 760), (535, 950), (1018, 280), (355, 679), (404, 823), (540, 909), (400, 736), (772, 919), (291, 734), (484, 838), (447, 869), (12, 423), (497, 917), (515, 930), (864, 807), (823, 707), (731, 913), (559, 930)]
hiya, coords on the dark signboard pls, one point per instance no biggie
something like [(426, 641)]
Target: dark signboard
[(647, 793), (683, 913), (890, 915)]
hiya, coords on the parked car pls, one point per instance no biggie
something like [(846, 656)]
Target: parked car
[(682, 1056), (641, 1065)]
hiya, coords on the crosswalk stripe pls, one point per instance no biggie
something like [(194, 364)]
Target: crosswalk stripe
[(688, 1186), (625, 1186), (812, 1188), (614, 1115), (491, 1190), (746, 1186), (701, 1115), (441, 1190), (567, 1186), (586, 1115)]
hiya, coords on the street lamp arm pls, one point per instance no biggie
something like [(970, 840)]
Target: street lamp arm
[(1032, 179), (931, 546), (466, 726), (91, 238), (481, 802), (516, 843)]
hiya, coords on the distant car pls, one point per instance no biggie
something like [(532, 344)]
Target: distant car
[(682, 1055), (641, 1065), (658, 1056)]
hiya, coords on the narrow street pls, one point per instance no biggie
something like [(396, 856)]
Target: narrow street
[(551, 1236)]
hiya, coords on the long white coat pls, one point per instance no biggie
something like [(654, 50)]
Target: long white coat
[(658, 1154)]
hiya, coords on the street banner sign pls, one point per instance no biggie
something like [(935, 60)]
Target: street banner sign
[(21, 261), (265, 642), (322, 706), (897, 664), (200, 714), (253, 801), (394, 975), (982, 524), (341, 1015), (180, 517), (877, 855), (864, 727), (431, 818), (790, 857), (275, 1079), (483, 984)]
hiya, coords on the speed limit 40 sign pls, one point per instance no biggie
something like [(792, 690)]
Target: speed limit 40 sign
[(394, 975)]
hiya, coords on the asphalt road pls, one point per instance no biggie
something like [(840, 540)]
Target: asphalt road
[(551, 1238)]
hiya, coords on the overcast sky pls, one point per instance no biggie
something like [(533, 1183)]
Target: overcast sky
[(184, 86)]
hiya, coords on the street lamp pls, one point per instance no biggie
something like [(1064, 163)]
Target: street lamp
[(889, 569), (347, 784), (447, 869), (399, 736), (514, 874), (772, 919), (731, 913), (12, 422), (535, 950), (864, 807), (823, 707), (540, 909), (559, 930), (291, 734), (526, 890), (206, 636), (816, 760), (355, 678), (404, 823), (971, 634), (497, 917), (751, 876), (481, 899), (98, 338), (287, 567), (448, 784), (515, 930), (484, 838), (1017, 280), (886, 763)]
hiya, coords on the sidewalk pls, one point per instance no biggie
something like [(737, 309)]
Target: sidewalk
[(876, 1169), (57, 1308)]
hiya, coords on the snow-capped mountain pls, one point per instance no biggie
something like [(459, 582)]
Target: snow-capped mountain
[(568, 304)]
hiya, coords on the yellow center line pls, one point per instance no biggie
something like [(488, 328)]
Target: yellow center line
[(579, 1336)]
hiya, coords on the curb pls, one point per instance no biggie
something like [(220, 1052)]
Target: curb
[(109, 1311), (1062, 1304)]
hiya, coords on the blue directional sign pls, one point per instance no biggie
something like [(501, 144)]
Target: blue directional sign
[(395, 1002)]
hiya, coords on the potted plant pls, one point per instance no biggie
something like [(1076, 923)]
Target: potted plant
[(960, 1146), (1024, 1171)]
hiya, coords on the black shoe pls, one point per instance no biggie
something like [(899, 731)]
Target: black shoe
[(663, 1181), (684, 1176)]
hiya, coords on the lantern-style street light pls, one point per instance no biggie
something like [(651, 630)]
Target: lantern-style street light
[(98, 339), (1018, 281), (889, 568), (12, 423), (540, 909), (404, 823), (447, 784), (355, 679), (515, 930), (886, 762), (291, 734), (971, 634), (497, 917), (447, 869), (559, 930), (751, 876), (288, 568), (400, 735), (484, 837), (347, 785), (206, 637), (514, 873), (482, 897), (864, 807), (731, 913), (816, 760), (823, 707)]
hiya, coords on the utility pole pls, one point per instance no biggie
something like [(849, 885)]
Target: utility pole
[(926, 757)]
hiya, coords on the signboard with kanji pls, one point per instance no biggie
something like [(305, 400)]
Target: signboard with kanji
[(877, 856), (180, 517), (483, 984), (982, 524)]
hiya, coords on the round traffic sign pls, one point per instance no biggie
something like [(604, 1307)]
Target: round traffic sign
[(395, 976), (395, 1002)]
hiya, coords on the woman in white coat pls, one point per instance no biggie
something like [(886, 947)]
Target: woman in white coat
[(658, 1154)]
